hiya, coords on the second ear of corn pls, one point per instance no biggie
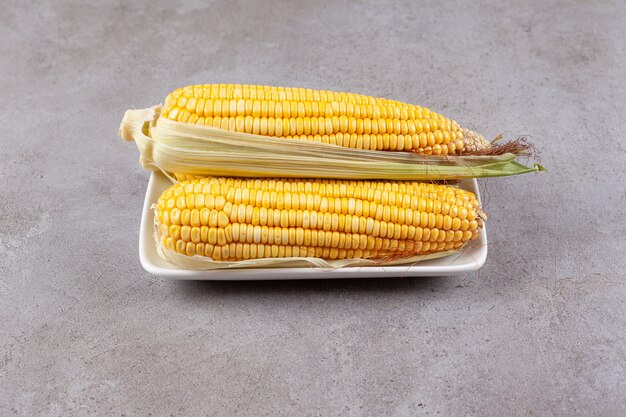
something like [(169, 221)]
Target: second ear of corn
[(229, 219)]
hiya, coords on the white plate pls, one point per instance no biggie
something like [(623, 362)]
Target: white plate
[(470, 259)]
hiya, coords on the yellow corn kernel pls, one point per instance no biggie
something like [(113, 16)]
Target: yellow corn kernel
[(238, 218)]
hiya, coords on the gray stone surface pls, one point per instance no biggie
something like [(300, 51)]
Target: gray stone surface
[(540, 330)]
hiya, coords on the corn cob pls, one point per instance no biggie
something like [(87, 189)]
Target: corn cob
[(348, 120), (232, 219)]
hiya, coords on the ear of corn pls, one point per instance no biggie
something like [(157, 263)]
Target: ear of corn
[(227, 219)]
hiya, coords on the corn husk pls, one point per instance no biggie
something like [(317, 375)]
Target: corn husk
[(202, 263), (182, 148)]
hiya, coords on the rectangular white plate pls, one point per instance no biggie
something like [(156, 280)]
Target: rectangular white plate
[(470, 259)]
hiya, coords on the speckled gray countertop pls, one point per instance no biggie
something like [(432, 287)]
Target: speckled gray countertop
[(540, 330)]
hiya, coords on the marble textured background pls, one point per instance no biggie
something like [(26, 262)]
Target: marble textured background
[(539, 330)]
